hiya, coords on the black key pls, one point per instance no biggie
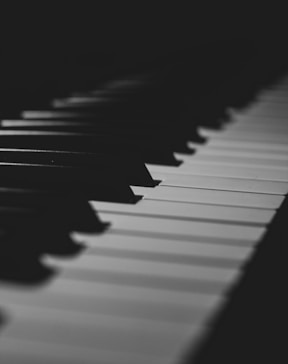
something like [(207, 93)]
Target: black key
[(147, 148), (104, 186), (177, 135), (26, 208), (134, 170), (198, 115), (163, 134)]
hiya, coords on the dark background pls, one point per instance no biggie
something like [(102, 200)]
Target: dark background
[(39, 39)]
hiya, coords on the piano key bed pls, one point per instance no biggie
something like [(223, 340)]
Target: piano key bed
[(148, 288)]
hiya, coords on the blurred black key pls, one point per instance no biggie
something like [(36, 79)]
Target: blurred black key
[(198, 115), (26, 218), (162, 135), (149, 149), (104, 186), (70, 210), (133, 169), (178, 133)]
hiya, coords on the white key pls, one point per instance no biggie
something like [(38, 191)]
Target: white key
[(21, 351), (261, 136), (198, 195), (102, 332), (238, 161), (268, 110), (220, 170), (91, 291), (210, 151), (191, 211), (266, 124), (176, 248), (78, 302), (254, 125), (248, 145), (184, 229), (221, 183), (97, 263)]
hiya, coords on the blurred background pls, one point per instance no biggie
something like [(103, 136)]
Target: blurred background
[(40, 40)]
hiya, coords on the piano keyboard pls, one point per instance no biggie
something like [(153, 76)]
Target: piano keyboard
[(148, 288)]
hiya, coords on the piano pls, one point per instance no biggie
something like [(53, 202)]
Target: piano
[(143, 202)]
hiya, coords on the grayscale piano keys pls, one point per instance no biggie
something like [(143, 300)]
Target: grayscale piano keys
[(218, 197), (145, 291), (244, 145), (224, 170), (191, 211), (261, 155), (221, 183), (255, 125), (243, 161)]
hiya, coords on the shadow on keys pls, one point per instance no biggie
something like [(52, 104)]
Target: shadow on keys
[(29, 233)]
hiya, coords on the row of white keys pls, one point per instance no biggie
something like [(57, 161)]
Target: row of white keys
[(250, 123), (250, 146), (241, 161), (138, 311), (144, 291), (191, 211), (218, 150)]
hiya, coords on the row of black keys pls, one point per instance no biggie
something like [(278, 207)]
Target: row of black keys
[(50, 167)]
